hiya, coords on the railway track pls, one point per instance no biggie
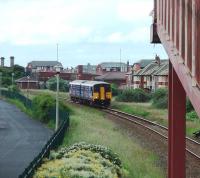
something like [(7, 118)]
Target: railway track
[(192, 146)]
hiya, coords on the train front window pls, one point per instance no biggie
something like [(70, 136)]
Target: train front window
[(107, 88), (96, 88)]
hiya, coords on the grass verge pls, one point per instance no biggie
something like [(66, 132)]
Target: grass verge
[(160, 116), (91, 126)]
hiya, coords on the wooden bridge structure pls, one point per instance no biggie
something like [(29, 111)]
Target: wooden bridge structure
[(176, 24)]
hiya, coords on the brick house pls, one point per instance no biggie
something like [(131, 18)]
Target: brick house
[(135, 68), (105, 67), (27, 83), (42, 66), (153, 76), (118, 78)]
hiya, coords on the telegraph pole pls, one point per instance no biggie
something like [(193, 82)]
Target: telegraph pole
[(57, 51), (120, 59)]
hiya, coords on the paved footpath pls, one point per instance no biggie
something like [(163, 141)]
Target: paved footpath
[(21, 139)]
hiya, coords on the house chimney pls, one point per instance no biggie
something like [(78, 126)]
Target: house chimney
[(2, 61), (80, 71), (157, 60), (12, 61)]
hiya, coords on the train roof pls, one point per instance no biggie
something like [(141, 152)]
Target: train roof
[(87, 82)]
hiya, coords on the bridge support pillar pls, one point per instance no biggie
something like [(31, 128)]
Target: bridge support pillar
[(176, 122)]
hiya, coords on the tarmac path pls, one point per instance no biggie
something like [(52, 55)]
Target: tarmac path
[(21, 139)]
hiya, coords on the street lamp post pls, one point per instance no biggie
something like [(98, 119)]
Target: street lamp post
[(58, 69), (0, 82), (28, 78)]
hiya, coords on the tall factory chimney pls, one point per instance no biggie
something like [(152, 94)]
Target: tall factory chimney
[(12, 61), (2, 61)]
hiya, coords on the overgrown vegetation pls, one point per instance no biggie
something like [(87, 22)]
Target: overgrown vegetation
[(90, 125), (160, 98), (43, 107), (81, 160), (14, 88), (115, 90), (63, 84), (133, 95), (17, 70)]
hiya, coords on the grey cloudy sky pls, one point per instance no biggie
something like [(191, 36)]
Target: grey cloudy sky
[(87, 31)]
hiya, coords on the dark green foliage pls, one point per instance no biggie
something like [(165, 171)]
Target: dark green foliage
[(115, 90), (192, 116), (19, 71), (14, 88), (42, 106), (7, 74), (160, 98), (133, 95), (189, 106), (63, 84)]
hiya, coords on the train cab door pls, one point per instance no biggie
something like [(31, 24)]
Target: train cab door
[(102, 93)]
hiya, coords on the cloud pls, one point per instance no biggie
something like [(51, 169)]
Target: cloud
[(134, 10), (137, 35), (71, 21)]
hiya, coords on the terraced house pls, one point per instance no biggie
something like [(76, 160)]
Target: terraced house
[(153, 76)]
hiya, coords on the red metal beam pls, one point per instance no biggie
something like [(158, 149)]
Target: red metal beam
[(176, 141), (193, 92)]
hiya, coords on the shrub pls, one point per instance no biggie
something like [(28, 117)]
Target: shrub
[(189, 106), (63, 84), (192, 116), (42, 106), (160, 98), (14, 88), (136, 95), (81, 160), (115, 90)]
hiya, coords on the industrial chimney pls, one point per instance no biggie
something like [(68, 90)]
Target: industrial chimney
[(12, 61), (2, 61)]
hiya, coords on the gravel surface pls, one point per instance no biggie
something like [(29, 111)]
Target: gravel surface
[(21, 139)]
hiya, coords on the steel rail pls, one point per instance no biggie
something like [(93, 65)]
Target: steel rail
[(116, 113), (150, 122)]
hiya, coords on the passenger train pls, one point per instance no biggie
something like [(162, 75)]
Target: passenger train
[(95, 93)]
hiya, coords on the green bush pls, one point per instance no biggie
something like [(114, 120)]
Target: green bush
[(63, 84), (160, 98), (115, 90), (189, 106), (42, 106), (133, 95), (14, 88), (81, 160), (192, 116)]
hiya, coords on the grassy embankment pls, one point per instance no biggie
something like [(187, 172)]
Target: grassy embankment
[(90, 125), (146, 110)]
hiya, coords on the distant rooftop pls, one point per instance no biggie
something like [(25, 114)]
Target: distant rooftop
[(44, 63), (154, 69), (144, 62), (112, 76), (112, 64)]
